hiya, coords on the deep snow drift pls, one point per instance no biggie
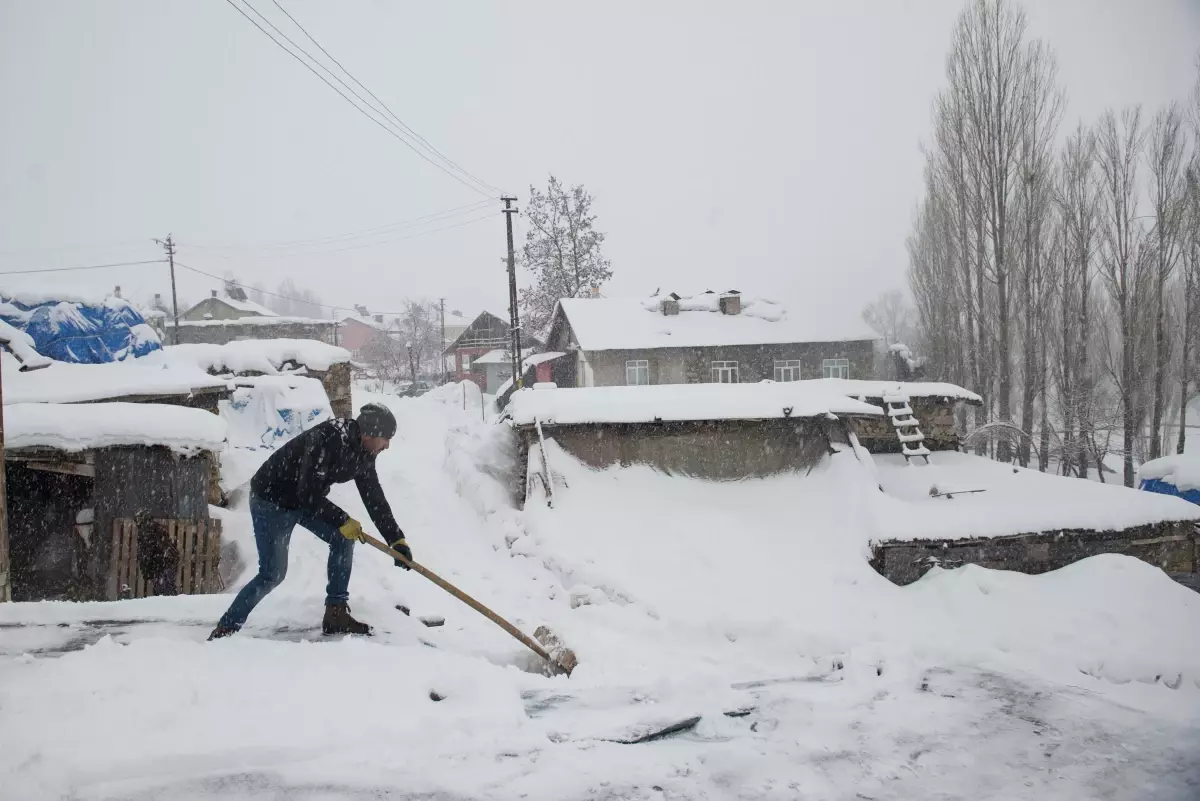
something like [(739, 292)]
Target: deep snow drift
[(681, 598)]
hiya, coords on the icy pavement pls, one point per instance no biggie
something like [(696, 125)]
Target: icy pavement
[(682, 599)]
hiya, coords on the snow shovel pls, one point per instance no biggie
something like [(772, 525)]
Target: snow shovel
[(558, 658)]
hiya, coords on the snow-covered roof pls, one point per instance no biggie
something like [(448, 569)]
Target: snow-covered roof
[(266, 356), (497, 356), (20, 345), (639, 324), (248, 306), (678, 402), (77, 427), (857, 388), (273, 320), (1181, 470), (63, 382)]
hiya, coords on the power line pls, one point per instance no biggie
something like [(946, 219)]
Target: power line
[(84, 267), (489, 216), (385, 106), (232, 282), (438, 216), (386, 127)]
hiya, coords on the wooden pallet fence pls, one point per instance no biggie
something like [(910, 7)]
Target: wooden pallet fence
[(199, 545)]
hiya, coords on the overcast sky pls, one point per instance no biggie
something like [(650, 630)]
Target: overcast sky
[(771, 147)]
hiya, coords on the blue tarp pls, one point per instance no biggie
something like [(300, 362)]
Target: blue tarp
[(1166, 488), (84, 333)]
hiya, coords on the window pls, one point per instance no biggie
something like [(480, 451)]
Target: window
[(725, 372), (637, 373), (466, 361), (787, 369), (835, 368)]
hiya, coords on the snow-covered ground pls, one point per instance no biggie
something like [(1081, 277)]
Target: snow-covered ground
[(681, 598)]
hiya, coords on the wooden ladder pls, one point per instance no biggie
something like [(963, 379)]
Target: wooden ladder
[(908, 430)]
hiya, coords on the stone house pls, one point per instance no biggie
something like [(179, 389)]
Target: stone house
[(232, 317), (707, 338)]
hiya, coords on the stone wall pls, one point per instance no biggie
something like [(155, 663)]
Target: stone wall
[(1171, 546), (935, 416), (721, 450), (755, 362), (336, 381), (218, 333)]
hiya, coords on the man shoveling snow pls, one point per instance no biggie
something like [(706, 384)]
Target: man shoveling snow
[(291, 488)]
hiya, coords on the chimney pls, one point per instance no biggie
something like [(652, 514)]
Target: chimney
[(117, 290), (670, 305), (731, 303), (595, 291), (214, 293), (379, 318)]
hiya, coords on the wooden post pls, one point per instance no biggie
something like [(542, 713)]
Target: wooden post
[(5, 565)]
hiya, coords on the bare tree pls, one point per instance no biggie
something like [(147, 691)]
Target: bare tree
[(1005, 87), (891, 316), (1165, 157), (1123, 261), (419, 335), (1041, 111), (1078, 201), (562, 249)]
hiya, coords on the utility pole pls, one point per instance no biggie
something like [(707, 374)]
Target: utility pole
[(442, 352), (169, 246), (5, 563), (514, 318)]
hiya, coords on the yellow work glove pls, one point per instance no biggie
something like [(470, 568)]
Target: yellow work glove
[(353, 530)]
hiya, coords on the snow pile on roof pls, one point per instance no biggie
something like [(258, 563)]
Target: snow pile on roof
[(77, 427), (273, 320), (711, 302), (1182, 470), (677, 402), (532, 360), (1014, 500), (267, 356), (637, 324), (78, 331), (21, 346), (73, 383), (904, 352), (248, 306), (862, 389), (497, 356)]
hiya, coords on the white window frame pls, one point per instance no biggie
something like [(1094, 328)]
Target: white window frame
[(835, 368), (787, 369), (640, 369), (466, 362), (724, 372)]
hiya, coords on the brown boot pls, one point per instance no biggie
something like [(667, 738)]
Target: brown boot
[(338, 621)]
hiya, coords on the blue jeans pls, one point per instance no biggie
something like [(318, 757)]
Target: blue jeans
[(273, 533)]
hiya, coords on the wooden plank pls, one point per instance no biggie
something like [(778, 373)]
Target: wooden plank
[(201, 567), (176, 535), (214, 549), (185, 556)]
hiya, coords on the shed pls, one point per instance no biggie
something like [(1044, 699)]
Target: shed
[(716, 431), (78, 475)]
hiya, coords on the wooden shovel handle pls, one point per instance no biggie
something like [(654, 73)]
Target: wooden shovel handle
[(462, 596)]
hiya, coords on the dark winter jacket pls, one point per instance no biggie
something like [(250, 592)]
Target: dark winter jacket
[(299, 475)]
